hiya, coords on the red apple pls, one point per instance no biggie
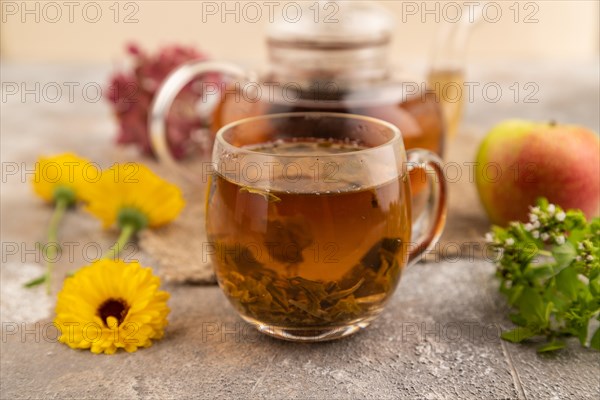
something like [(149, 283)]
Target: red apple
[(519, 161)]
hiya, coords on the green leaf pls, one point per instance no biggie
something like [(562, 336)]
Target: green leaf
[(564, 256), (36, 282), (582, 334), (552, 346), (540, 272), (561, 303), (549, 308), (595, 342), (533, 308), (518, 334), (515, 293), (594, 287), (577, 236), (568, 283), (518, 319)]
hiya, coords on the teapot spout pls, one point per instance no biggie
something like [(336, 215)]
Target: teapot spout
[(447, 71), (450, 47)]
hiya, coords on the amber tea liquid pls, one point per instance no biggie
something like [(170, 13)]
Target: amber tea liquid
[(324, 249)]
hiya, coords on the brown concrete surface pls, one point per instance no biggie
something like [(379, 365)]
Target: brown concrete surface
[(438, 337)]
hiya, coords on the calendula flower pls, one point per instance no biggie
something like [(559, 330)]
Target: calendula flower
[(132, 194), (111, 304), (60, 180), (133, 197)]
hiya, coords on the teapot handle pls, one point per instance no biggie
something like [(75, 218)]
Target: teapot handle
[(167, 93)]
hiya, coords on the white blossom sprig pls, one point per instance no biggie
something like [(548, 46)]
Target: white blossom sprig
[(549, 270)]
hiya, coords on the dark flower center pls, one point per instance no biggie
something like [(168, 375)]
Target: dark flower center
[(117, 308)]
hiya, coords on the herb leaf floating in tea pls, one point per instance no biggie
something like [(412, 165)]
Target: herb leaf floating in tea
[(385, 250), (239, 256), (374, 201), (265, 295), (286, 238), (268, 196), (559, 297)]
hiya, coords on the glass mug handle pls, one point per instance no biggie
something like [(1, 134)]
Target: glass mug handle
[(424, 238), (167, 93)]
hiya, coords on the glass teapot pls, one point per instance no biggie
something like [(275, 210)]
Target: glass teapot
[(336, 65)]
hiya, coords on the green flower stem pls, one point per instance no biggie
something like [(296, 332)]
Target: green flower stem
[(51, 252), (127, 231), (52, 246)]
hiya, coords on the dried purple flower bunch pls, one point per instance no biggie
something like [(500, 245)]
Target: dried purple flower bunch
[(131, 94)]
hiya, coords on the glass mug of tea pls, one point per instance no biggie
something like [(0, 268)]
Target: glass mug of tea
[(309, 220)]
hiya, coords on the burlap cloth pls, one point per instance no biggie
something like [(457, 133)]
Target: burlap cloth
[(180, 248)]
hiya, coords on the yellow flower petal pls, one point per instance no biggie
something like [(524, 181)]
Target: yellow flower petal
[(66, 171), (134, 186)]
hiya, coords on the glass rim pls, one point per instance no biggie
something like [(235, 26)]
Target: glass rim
[(397, 134)]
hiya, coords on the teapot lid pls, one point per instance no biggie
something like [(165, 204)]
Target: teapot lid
[(337, 24)]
